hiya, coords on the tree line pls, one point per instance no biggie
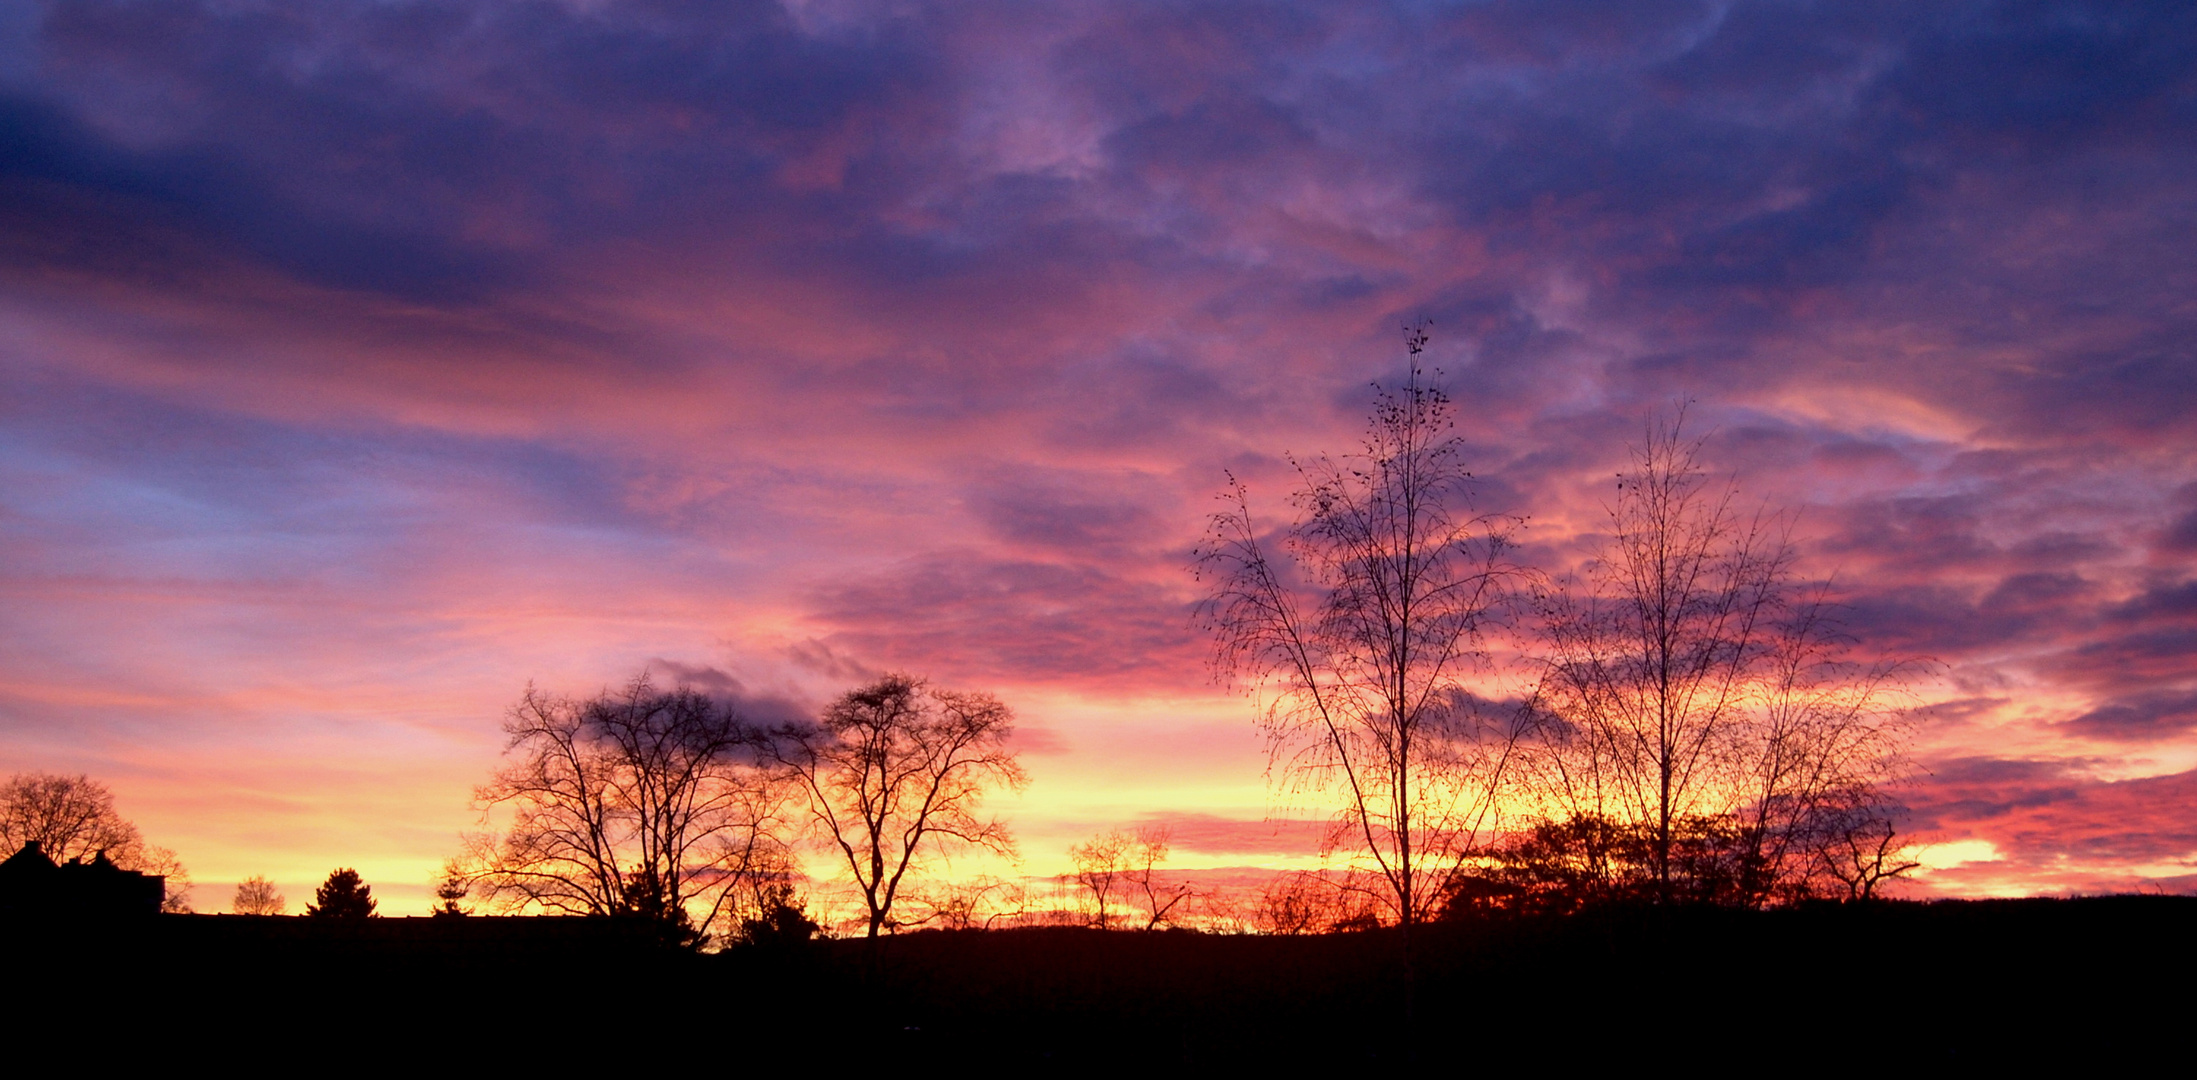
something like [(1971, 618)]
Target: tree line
[(1694, 726), (671, 806)]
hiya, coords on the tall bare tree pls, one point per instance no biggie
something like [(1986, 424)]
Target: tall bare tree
[(640, 802), (1359, 631), (1701, 695), (896, 773), (74, 817)]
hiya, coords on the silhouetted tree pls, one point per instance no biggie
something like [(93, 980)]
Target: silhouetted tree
[(1311, 902), (973, 903), (780, 920), (1141, 858), (342, 896), (256, 895), (451, 890), (1701, 699), (896, 772), (1099, 865), (74, 818), (1292, 904), (640, 802), (1862, 849), (1559, 866), (1161, 897), (1358, 635)]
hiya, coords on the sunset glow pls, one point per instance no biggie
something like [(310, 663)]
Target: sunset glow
[(364, 362)]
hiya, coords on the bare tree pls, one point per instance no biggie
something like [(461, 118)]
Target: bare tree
[(896, 773), (1862, 849), (1100, 863), (1358, 636), (1700, 695), (1816, 767), (74, 817), (1314, 902), (638, 802), (1293, 903), (1158, 896), (975, 903), (256, 895), (1122, 869)]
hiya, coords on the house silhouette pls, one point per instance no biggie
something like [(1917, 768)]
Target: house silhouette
[(33, 886)]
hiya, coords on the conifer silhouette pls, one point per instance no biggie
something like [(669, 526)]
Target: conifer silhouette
[(342, 896)]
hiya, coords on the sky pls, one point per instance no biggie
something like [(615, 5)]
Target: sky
[(363, 362)]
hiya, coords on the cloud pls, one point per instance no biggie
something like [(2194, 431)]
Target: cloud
[(1209, 834), (761, 709), (1046, 512), (2048, 818), (1040, 741), (2141, 719), (965, 616)]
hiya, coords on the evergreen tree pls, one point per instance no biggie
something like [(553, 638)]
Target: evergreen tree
[(451, 889), (342, 896)]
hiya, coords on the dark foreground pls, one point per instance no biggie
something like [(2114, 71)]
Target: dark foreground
[(1858, 988)]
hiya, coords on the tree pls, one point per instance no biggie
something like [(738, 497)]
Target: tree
[(1159, 897), (1862, 849), (1293, 903), (1563, 865), (256, 895), (1359, 634), (1701, 698), (74, 818), (1312, 902), (451, 889), (1125, 866), (974, 903), (638, 803), (779, 920), (342, 896), (1100, 863), (895, 773)]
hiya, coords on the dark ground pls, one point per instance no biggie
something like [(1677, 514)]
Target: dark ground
[(1865, 988)]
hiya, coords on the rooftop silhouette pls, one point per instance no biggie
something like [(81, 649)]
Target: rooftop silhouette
[(33, 885)]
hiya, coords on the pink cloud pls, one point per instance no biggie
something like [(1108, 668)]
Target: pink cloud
[(1211, 835)]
